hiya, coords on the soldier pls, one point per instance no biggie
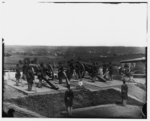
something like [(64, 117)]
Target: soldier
[(60, 73), (17, 75), (69, 100), (70, 69), (30, 78), (124, 93), (94, 72), (126, 70), (104, 68), (79, 70), (110, 68), (25, 69), (39, 75)]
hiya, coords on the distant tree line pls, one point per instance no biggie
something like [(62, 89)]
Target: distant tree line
[(7, 54)]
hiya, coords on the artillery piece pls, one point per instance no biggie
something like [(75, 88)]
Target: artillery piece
[(92, 70), (47, 74)]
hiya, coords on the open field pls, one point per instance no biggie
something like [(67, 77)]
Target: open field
[(10, 62), (56, 54)]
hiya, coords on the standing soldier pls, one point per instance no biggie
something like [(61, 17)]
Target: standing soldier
[(17, 75), (124, 93), (39, 75), (60, 73), (110, 71), (63, 74), (104, 68), (30, 78), (94, 72), (79, 68), (70, 70), (69, 100), (25, 69)]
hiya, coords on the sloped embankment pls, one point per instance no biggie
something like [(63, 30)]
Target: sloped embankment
[(51, 105)]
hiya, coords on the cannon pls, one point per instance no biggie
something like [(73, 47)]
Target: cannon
[(47, 74), (92, 70)]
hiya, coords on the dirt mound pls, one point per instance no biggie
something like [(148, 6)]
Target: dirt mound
[(51, 105)]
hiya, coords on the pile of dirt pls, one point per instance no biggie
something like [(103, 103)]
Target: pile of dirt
[(51, 105)]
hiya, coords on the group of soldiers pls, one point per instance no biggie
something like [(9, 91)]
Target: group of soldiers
[(127, 72), (73, 69), (45, 72)]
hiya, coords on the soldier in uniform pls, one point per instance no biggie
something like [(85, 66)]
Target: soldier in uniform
[(69, 100), (25, 69), (17, 75), (60, 73), (110, 71), (70, 69), (30, 78), (39, 75), (124, 93), (79, 70), (94, 72), (104, 68)]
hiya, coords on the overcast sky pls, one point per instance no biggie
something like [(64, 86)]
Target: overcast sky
[(74, 24)]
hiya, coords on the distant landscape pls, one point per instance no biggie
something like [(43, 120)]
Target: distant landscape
[(55, 54)]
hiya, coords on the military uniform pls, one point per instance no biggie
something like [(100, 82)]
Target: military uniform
[(69, 101), (25, 70), (124, 93), (110, 71), (79, 70), (69, 98), (94, 72), (39, 75), (70, 70), (17, 75), (30, 78)]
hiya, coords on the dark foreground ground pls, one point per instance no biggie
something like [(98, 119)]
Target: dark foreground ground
[(52, 105)]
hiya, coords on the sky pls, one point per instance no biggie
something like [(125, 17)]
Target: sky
[(83, 24)]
